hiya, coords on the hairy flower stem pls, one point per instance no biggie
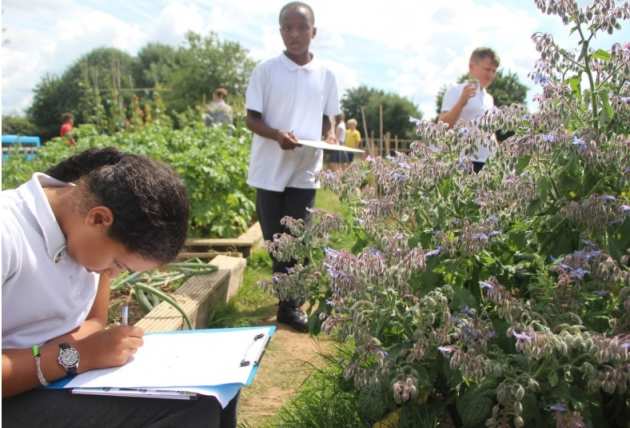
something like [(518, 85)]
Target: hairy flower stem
[(587, 68)]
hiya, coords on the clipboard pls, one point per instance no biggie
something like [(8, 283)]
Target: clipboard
[(182, 364), (326, 146)]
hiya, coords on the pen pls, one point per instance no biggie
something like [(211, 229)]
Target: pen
[(124, 311), (124, 315)]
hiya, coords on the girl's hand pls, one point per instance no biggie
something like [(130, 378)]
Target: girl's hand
[(109, 348)]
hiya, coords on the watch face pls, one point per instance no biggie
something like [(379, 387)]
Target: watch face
[(69, 357)]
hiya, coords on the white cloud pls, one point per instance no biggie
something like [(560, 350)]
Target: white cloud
[(176, 19), (404, 46), (46, 40)]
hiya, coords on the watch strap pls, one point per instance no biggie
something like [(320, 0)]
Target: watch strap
[(38, 365)]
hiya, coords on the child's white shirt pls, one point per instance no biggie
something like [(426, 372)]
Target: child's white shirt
[(291, 98), (45, 293), (474, 108)]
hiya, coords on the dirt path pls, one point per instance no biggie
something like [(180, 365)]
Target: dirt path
[(289, 359)]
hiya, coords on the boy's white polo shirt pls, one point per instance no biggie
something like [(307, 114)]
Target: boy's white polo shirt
[(45, 293), (293, 98), (474, 108)]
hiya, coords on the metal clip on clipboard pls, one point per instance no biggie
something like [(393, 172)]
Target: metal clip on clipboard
[(247, 360)]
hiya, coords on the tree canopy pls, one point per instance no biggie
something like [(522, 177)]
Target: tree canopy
[(107, 86)]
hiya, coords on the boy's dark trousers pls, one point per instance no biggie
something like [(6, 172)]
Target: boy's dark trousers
[(47, 408), (272, 206)]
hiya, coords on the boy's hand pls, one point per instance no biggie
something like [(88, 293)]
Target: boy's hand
[(286, 140), (468, 92), (331, 139), (109, 348)]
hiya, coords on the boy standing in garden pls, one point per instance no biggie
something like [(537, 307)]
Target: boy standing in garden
[(469, 100), (289, 97)]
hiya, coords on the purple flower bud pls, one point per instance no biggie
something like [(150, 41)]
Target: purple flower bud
[(625, 209), (579, 273), (446, 350), (522, 336), (480, 236), (485, 285), (579, 142), (607, 198), (601, 293), (435, 252), (558, 407)]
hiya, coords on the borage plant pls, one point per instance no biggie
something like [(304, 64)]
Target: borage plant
[(500, 298)]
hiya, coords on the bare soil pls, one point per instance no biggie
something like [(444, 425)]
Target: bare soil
[(289, 359)]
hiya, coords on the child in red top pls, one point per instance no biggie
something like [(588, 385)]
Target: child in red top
[(67, 120)]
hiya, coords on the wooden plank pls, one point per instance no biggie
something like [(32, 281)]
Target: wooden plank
[(206, 254), (218, 242)]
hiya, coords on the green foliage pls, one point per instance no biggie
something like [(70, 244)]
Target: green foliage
[(212, 163), (502, 294), (325, 400), (49, 103), (396, 110), (154, 64), (18, 125), (203, 64), (99, 88)]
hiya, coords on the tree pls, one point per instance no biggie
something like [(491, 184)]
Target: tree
[(99, 87), (396, 110), (107, 71), (18, 125), (203, 64), (49, 103), (154, 64), (506, 89)]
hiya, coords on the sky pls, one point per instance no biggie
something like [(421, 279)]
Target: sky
[(410, 47)]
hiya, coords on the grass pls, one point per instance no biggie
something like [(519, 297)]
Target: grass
[(251, 305), (324, 400)]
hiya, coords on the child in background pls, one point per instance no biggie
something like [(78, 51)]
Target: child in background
[(67, 122), (470, 100), (64, 235), (289, 97), (337, 158), (353, 138)]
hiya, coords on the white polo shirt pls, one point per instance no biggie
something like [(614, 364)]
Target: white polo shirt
[(293, 98), (341, 133), (474, 108), (45, 293)]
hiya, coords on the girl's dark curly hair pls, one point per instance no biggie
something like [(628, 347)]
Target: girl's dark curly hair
[(148, 199)]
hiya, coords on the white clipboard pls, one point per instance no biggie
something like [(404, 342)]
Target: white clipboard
[(172, 365), (326, 146)]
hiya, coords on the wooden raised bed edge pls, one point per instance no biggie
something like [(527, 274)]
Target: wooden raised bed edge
[(208, 248), (199, 294)]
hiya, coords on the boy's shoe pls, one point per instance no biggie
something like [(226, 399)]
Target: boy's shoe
[(289, 313)]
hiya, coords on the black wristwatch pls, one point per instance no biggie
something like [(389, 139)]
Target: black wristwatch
[(68, 358)]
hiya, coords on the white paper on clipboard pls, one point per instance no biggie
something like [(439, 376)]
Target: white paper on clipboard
[(326, 146)]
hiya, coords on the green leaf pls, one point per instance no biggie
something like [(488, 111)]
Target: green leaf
[(601, 55), (605, 103), (575, 83), (473, 408)]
